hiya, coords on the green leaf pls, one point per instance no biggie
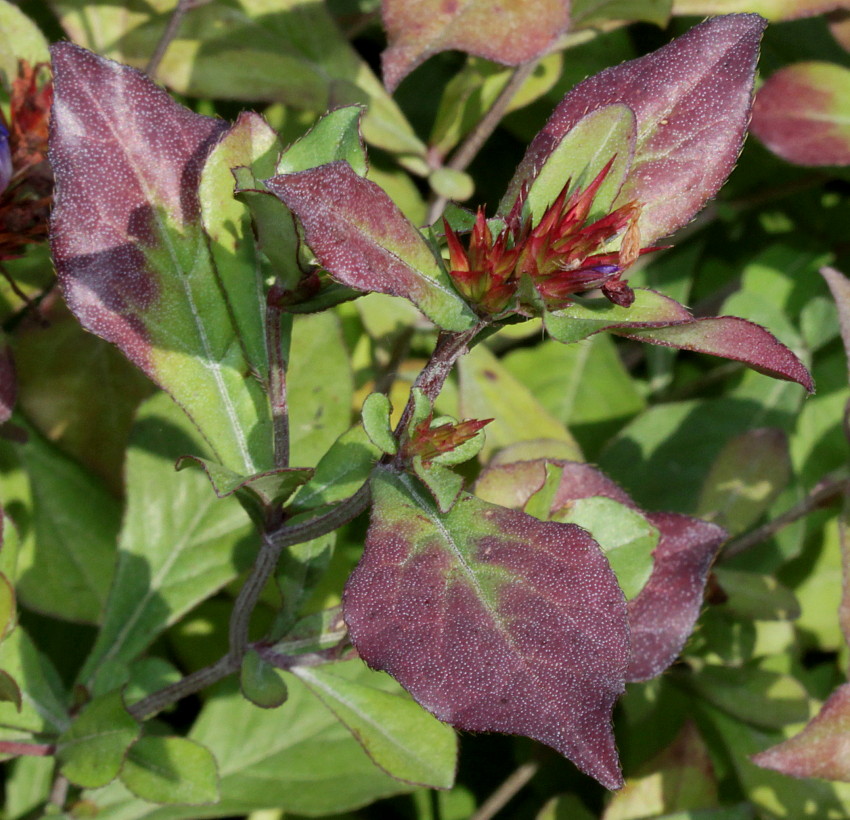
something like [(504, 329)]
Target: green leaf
[(171, 770), (9, 690), (319, 386), (587, 12), (343, 469), (444, 484), (91, 751), (605, 134), (20, 39), (261, 683), (755, 597), (376, 422), (450, 184), (487, 390), (174, 322), (253, 144), (585, 317), (626, 538), (66, 567), (334, 136), (270, 488), (166, 567), (8, 610), (398, 734), (43, 709), (746, 477)]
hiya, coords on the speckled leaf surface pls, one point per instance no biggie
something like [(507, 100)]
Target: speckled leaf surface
[(132, 259), (821, 749), (731, 338), (486, 28), (802, 113), (662, 616), (691, 101), (493, 620), (364, 241)]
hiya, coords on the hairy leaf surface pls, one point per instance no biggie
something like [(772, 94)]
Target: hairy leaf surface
[(486, 28), (691, 100), (130, 252), (493, 620)]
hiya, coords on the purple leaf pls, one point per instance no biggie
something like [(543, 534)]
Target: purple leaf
[(692, 102), (663, 614), (509, 33), (820, 750), (493, 620), (801, 114), (132, 258), (364, 241), (731, 338)]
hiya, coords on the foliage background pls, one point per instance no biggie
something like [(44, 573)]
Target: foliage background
[(680, 432)]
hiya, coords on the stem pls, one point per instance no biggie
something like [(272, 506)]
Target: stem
[(449, 348), (507, 791), (59, 791), (277, 385), (200, 679), (20, 749), (170, 33), (470, 147), (824, 492)]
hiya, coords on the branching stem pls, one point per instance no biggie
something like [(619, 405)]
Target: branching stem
[(170, 33)]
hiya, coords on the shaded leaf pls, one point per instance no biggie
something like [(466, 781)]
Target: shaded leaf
[(171, 770), (10, 691), (747, 475), (359, 235), (820, 750), (732, 338), (755, 597), (169, 562), (8, 381), (398, 735), (663, 614), (43, 708), (839, 287), (91, 751), (585, 317), (131, 257), (493, 620), (260, 682), (485, 28), (8, 612), (271, 488), (20, 39), (66, 567), (801, 113), (488, 390), (691, 100), (376, 422)]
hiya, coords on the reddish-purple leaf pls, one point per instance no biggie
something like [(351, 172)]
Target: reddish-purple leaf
[(822, 749), (8, 382), (663, 614), (692, 102), (731, 338), (493, 620), (802, 113), (364, 241), (132, 258), (509, 33)]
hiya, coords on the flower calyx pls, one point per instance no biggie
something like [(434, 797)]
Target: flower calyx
[(562, 255), (448, 442)]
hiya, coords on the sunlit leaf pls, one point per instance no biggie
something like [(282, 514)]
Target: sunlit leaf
[(732, 338), (801, 113), (691, 100), (359, 235), (493, 620), (820, 750), (485, 28), (130, 253)]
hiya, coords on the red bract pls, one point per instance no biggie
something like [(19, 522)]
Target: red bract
[(429, 442), (26, 198), (562, 255)]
